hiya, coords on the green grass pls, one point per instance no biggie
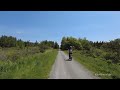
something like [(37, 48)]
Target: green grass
[(98, 66), (35, 66), (14, 53)]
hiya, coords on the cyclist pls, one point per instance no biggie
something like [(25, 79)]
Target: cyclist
[(70, 53)]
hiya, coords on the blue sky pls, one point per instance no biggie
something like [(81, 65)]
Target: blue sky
[(53, 25)]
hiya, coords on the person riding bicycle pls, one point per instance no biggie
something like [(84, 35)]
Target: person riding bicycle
[(70, 52)]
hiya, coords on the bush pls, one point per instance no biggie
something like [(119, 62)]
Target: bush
[(3, 56), (43, 48), (13, 56), (112, 56), (93, 52), (32, 50), (109, 61)]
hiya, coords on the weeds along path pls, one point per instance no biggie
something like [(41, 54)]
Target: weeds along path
[(35, 66)]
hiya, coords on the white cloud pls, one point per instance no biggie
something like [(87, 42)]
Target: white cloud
[(18, 32)]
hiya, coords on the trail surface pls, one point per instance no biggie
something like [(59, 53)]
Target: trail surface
[(64, 69)]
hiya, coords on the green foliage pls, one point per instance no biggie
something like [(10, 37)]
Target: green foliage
[(94, 52), (7, 41), (70, 41), (20, 44), (100, 57), (56, 46), (13, 53), (85, 43), (105, 50), (36, 43), (112, 56), (37, 66), (98, 65), (44, 45)]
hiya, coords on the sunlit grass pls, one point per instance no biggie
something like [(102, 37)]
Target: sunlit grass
[(35, 66), (99, 66)]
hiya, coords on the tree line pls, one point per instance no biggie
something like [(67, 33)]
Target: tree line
[(10, 41), (108, 50)]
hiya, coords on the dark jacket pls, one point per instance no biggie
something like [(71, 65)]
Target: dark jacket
[(70, 50)]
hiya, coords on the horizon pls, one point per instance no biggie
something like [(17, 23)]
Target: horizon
[(54, 25)]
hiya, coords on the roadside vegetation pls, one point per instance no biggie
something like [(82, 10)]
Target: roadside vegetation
[(103, 58), (26, 60)]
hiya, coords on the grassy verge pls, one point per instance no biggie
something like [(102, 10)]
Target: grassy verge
[(35, 66), (99, 66)]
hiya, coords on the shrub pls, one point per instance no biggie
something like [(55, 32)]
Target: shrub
[(43, 47), (13, 56), (109, 61), (42, 50), (3, 56), (112, 56)]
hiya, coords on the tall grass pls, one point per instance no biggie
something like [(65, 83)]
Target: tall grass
[(16, 53), (35, 66), (100, 67)]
